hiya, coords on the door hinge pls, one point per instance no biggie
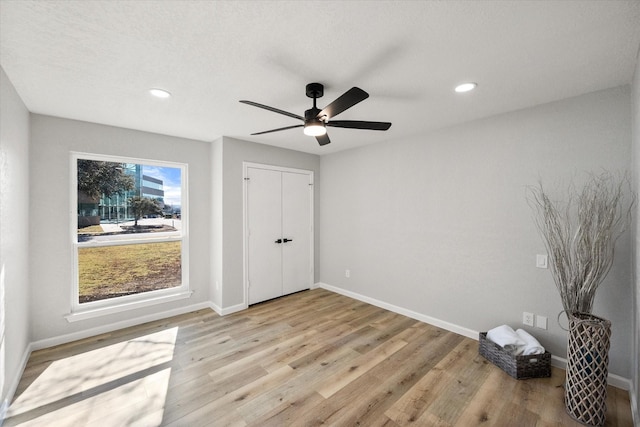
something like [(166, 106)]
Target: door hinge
[(247, 179)]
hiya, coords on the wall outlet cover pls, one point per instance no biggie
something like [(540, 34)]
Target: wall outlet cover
[(527, 318)]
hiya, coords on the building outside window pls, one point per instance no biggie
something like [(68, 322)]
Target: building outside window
[(116, 208)]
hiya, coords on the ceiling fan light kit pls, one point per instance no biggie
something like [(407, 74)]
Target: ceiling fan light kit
[(316, 120), (314, 128)]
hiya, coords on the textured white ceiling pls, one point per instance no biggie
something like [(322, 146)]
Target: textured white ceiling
[(95, 61)]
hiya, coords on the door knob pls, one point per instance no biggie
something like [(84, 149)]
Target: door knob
[(287, 240), (279, 241)]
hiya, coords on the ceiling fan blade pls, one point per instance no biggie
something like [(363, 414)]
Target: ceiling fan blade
[(344, 101), (275, 110), (279, 129), (359, 124), (323, 139)]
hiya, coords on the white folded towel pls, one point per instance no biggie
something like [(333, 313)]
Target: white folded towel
[(506, 338), (531, 345)]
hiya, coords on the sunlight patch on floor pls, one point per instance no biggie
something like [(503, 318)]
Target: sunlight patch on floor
[(121, 384)]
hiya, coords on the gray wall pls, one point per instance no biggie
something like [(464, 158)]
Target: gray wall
[(14, 236), (217, 231), (636, 246), (439, 224), (52, 140), (235, 152)]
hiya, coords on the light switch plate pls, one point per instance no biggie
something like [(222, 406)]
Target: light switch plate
[(542, 261), (541, 322)]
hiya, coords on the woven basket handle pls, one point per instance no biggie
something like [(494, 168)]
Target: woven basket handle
[(560, 324)]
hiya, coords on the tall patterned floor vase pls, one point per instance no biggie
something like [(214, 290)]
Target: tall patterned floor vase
[(587, 368)]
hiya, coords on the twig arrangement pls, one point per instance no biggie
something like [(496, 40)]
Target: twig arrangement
[(580, 235)]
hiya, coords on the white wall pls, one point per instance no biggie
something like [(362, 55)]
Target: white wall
[(14, 237), (235, 152), (439, 224), (52, 140)]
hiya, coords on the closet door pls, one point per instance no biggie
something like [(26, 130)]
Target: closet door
[(264, 216), (279, 242), (296, 227)]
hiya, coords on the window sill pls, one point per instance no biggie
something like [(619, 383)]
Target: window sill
[(118, 308)]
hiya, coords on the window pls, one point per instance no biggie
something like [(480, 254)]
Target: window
[(130, 233)]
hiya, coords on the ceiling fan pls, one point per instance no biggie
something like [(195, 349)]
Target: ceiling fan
[(316, 120)]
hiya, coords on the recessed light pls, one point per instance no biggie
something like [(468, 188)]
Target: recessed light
[(159, 93), (465, 87)]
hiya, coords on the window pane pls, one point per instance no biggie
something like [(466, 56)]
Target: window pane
[(136, 209), (127, 198), (115, 271)]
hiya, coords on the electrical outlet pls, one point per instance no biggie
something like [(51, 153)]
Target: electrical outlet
[(347, 273), (527, 318), (541, 322)]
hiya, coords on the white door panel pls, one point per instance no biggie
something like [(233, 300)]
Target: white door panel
[(296, 226), (265, 222)]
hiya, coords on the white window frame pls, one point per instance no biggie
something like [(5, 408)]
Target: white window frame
[(129, 302)]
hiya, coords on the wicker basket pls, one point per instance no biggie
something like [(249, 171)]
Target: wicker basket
[(519, 367), (587, 368)]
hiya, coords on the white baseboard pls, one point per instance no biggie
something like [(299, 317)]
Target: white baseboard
[(559, 362), (460, 330), (228, 310), (215, 307), (63, 339)]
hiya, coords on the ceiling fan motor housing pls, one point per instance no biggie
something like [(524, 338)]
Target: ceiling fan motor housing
[(315, 90)]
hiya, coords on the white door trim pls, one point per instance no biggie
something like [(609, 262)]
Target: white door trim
[(245, 220)]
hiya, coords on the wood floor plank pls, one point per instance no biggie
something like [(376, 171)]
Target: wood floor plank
[(289, 412), (306, 380), (358, 367), (489, 401), (313, 358), (466, 372), (228, 403), (431, 386)]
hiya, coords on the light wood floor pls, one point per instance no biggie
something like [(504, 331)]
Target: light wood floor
[(313, 358)]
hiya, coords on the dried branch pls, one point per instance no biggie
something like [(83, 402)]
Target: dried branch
[(580, 235)]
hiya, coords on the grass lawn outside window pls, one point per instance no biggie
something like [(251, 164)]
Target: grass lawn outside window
[(113, 271)]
